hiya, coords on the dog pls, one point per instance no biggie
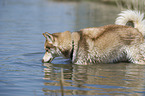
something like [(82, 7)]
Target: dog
[(106, 44)]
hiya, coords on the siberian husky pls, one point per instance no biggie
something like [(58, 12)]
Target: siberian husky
[(106, 44)]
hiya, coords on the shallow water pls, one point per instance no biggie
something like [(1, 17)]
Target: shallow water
[(22, 23)]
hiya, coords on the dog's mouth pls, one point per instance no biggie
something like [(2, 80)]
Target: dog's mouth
[(47, 58)]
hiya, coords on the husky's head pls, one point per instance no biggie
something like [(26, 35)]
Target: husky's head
[(57, 44)]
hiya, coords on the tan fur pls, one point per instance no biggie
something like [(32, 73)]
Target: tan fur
[(63, 42), (107, 44)]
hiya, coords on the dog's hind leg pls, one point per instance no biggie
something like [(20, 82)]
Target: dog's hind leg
[(136, 54)]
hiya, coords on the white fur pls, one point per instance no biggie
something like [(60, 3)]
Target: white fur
[(47, 57), (135, 16)]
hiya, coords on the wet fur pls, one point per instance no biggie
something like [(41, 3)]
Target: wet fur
[(106, 44)]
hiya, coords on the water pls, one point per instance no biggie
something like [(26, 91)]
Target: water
[(22, 23)]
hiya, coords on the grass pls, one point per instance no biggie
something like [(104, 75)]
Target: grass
[(61, 83), (131, 4)]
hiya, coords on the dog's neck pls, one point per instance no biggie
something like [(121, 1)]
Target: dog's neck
[(69, 45), (65, 44), (75, 36)]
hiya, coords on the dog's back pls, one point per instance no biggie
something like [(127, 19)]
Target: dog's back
[(105, 44)]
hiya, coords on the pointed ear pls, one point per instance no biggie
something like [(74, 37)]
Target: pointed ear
[(49, 37)]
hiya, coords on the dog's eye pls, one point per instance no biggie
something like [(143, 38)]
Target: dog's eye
[(47, 48)]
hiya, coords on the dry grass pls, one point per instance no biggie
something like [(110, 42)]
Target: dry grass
[(131, 4), (61, 83)]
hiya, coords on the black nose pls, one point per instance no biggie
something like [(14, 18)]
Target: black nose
[(42, 60)]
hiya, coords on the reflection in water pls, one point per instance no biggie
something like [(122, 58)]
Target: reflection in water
[(22, 23), (53, 73), (99, 79)]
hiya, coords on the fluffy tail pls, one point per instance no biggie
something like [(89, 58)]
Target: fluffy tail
[(134, 17)]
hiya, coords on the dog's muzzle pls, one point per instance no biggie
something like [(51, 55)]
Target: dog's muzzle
[(47, 58)]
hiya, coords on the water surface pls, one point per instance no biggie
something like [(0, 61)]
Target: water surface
[(22, 23)]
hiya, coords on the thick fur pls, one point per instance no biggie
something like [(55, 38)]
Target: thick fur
[(106, 44), (136, 20), (134, 17)]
